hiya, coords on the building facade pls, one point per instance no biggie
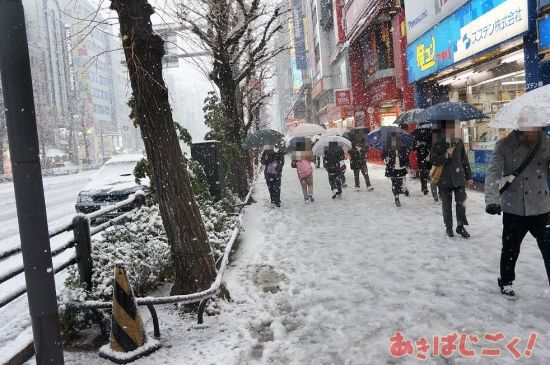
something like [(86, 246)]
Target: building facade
[(485, 53), (376, 36), (93, 81), (51, 75)]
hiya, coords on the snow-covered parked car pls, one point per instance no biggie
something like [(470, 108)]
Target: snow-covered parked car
[(113, 183), (64, 168)]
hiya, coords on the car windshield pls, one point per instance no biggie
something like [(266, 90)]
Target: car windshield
[(116, 169)]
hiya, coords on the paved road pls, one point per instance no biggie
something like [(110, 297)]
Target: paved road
[(60, 194)]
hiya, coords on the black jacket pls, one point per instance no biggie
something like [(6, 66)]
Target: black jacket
[(357, 156), (390, 156), (456, 169), (332, 158), (269, 156), (422, 150)]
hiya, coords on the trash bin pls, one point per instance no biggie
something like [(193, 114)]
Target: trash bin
[(209, 155)]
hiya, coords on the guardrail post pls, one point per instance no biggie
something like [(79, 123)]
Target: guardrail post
[(139, 200), (83, 247)]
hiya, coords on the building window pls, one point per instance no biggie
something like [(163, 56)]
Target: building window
[(102, 109), (378, 49)]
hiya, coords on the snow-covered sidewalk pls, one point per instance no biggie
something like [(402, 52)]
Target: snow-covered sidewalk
[(331, 282)]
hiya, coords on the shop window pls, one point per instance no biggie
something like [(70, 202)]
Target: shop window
[(317, 53), (378, 49)]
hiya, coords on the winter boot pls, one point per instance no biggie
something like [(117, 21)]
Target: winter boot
[(311, 198), (370, 188), (357, 188), (462, 231), (406, 193), (436, 199), (506, 290), (425, 191), (450, 232), (397, 202)]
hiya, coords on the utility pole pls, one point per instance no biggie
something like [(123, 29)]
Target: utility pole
[(27, 180)]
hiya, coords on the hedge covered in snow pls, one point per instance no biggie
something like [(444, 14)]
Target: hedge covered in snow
[(141, 243)]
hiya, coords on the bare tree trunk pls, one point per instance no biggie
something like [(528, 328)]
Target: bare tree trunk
[(233, 115), (86, 141), (180, 213), (3, 132), (2, 148)]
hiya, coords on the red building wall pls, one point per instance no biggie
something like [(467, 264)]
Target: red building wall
[(399, 50), (360, 103)]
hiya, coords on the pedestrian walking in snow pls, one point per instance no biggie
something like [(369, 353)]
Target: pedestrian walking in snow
[(273, 159), (332, 159), (358, 164), (396, 156), (449, 154), (422, 146), (516, 184), (305, 176)]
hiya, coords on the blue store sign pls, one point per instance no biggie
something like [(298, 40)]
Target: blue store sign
[(473, 28), (544, 34)]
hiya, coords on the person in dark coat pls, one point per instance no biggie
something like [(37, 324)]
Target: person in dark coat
[(449, 152), (273, 159), (332, 158), (525, 204), (358, 163), (396, 156), (422, 145)]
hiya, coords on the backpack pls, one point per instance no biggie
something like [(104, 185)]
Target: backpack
[(272, 168), (304, 169)]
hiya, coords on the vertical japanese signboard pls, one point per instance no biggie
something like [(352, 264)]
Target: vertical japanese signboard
[(299, 39), (342, 97)]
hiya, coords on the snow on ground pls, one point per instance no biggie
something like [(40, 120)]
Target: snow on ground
[(60, 194), (329, 283)]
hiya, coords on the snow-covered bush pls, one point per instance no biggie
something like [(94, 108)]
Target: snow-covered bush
[(141, 243)]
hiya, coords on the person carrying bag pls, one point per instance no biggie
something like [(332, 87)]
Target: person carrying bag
[(521, 195)]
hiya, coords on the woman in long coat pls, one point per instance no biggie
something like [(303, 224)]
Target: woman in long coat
[(273, 159)]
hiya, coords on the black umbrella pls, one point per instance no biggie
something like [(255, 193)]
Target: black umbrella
[(450, 111), (409, 117), (360, 132), (422, 134), (261, 138)]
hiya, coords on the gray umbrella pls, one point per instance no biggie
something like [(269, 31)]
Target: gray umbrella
[(409, 117), (450, 111)]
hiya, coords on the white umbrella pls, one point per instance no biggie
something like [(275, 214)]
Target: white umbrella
[(315, 138), (531, 110), (319, 148), (334, 132), (306, 130)]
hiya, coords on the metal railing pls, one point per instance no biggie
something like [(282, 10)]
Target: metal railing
[(81, 241)]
